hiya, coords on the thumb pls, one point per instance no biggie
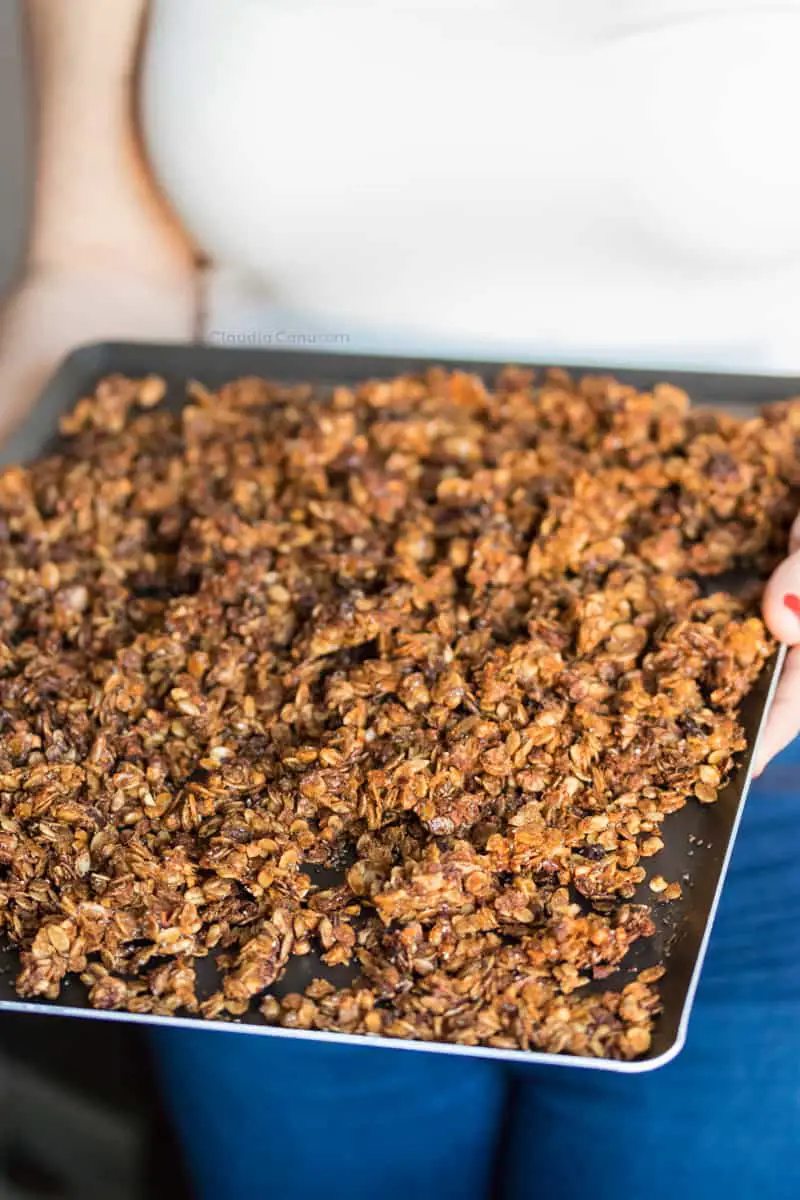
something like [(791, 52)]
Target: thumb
[(782, 615), (782, 594)]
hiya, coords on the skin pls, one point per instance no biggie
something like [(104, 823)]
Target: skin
[(106, 258), (784, 722)]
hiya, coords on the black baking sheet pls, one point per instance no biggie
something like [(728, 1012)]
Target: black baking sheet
[(699, 838)]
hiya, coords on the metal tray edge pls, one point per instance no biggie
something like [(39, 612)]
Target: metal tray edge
[(93, 359)]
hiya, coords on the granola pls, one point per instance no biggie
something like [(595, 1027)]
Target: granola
[(406, 677)]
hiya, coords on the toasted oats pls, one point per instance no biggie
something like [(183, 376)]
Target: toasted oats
[(443, 638)]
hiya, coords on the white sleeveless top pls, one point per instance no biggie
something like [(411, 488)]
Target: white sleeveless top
[(604, 180)]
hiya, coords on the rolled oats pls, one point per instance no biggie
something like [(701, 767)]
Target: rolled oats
[(443, 639)]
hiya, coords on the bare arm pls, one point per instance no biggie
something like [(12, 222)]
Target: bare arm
[(105, 257), (93, 198)]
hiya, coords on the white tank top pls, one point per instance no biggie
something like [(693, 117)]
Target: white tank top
[(605, 180)]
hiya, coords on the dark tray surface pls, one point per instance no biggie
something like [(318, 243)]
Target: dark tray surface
[(699, 838)]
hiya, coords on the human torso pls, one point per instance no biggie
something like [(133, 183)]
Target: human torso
[(570, 180)]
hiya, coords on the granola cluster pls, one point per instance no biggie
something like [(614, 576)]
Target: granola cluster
[(405, 677)]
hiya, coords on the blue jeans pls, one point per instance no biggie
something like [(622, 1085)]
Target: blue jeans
[(260, 1118)]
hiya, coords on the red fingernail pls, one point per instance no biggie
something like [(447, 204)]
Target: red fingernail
[(792, 602)]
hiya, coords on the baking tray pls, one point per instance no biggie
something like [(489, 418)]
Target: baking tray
[(700, 838)]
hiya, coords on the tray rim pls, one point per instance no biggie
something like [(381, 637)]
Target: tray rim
[(87, 360)]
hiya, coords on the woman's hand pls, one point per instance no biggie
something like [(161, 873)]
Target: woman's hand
[(782, 614), (54, 310)]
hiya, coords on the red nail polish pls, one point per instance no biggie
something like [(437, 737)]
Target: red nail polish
[(792, 602)]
